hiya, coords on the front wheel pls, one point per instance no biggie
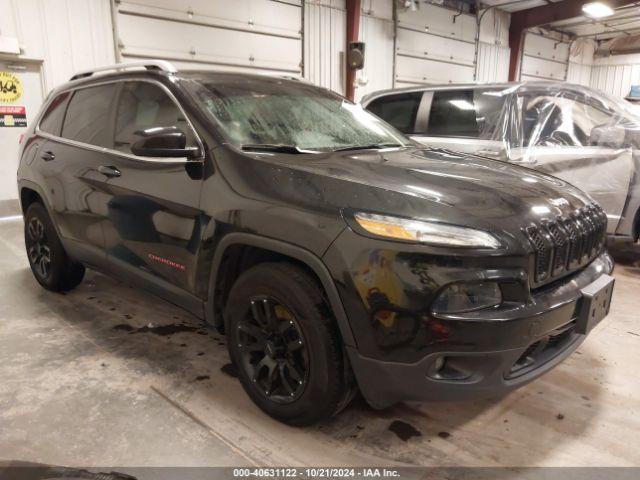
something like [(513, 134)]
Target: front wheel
[(285, 346), (49, 262)]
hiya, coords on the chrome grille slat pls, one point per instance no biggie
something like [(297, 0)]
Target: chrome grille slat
[(565, 243)]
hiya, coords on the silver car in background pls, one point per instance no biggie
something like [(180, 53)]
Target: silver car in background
[(578, 134)]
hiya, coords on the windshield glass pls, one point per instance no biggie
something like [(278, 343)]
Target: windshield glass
[(272, 111)]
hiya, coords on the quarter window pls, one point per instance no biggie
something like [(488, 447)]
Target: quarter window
[(145, 106), (87, 118), (399, 110), (52, 119)]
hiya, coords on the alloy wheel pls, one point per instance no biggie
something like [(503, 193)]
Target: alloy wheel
[(38, 248), (273, 350)]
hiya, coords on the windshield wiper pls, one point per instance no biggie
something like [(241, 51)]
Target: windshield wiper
[(373, 146), (273, 147)]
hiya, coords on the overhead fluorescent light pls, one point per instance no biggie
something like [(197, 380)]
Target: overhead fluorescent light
[(597, 10)]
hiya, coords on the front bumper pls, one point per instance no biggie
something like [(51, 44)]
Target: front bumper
[(491, 355)]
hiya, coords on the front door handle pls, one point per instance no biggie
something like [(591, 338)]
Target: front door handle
[(110, 172), (48, 156)]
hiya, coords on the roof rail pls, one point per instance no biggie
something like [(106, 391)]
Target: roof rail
[(162, 65)]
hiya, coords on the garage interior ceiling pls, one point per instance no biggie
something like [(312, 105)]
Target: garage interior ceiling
[(624, 21)]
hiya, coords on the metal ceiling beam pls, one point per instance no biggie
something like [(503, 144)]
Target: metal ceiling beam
[(613, 33), (613, 18), (543, 15)]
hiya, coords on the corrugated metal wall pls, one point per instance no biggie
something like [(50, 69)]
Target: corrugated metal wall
[(255, 35), (376, 30), (325, 23), (493, 63), (493, 49), (616, 74), (580, 61), (64, 35), (544, 58)]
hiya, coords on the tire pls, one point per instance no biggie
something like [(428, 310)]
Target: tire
[(49, 262), (291, 304)]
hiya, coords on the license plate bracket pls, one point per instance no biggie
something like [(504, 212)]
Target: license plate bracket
[(595, 303)]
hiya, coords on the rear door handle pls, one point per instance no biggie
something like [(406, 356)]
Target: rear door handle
[(48, 156), (109, 172)]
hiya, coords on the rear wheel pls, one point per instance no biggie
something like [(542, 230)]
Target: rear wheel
[(49, 262), (286, 347)]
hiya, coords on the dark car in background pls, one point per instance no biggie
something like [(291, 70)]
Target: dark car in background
[(576, 133), (332, 252)]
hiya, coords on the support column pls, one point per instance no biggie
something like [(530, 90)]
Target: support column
[(353, 32), (516, 45)]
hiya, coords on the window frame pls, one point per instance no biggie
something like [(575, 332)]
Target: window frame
[(473, 89), (417, 121), (120, 83)]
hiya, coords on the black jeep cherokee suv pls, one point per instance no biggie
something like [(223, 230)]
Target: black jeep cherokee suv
[(333, 252)]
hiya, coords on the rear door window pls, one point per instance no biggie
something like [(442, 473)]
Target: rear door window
[(400, 110), (143, 106), (471, 113), (87, 118), (52, 119)]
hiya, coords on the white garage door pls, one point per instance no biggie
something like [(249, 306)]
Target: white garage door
[(253, 35), (544, 58), (434, 45)]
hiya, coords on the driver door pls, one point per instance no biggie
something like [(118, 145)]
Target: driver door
[(155, 222), (556, 138)]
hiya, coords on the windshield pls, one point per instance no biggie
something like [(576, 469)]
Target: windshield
[(275, 112)]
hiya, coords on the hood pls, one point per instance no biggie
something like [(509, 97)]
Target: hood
[(422, 183)]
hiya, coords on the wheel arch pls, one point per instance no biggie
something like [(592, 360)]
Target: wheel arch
[(283, 251)]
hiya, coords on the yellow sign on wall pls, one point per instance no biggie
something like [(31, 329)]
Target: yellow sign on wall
[(10, 87)]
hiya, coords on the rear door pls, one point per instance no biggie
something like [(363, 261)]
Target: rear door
[(464, 120), (69, 163), (155, 223), (556, 138)]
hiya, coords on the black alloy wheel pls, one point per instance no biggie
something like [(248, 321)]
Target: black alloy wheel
[(38, 248), (273, 350)]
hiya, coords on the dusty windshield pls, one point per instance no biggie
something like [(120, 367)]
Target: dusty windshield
[(269, 111)]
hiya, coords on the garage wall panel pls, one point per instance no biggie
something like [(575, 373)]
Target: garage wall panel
[(544, 58), (376, 30), (325, 23), (65, 35), (616, 74), (493, 63), (261, 35), (434, 45), (615, 79)]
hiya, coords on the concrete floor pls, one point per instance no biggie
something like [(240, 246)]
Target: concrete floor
[(79, 386)]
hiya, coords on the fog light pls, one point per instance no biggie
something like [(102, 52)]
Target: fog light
[(467, 297)]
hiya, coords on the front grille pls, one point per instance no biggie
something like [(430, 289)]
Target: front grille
[(567, 242)]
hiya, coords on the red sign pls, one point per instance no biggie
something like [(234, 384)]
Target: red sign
[(13, 116), (12, 110)]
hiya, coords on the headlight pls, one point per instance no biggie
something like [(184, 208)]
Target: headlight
[(425, 232), (466, 297)]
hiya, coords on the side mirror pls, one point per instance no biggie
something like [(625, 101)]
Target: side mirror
[(168, 142), (612, 136)]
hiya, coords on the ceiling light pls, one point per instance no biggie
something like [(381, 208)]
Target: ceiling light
[(597, 10)]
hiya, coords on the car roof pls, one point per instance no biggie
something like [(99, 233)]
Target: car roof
[(533, 85)]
